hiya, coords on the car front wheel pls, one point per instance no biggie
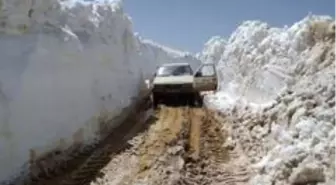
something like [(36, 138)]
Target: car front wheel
[(198, 100), (155, 99)]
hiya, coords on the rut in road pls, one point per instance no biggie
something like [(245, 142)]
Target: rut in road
[(183, 147), (80, 167)]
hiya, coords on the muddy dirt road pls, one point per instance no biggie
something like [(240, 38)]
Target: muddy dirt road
[(177, 146), (184, 146)]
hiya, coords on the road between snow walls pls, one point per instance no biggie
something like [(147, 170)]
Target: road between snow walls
[(71, 83), (64, 70)]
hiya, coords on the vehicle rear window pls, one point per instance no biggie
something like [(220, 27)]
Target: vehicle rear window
[(174, 71)]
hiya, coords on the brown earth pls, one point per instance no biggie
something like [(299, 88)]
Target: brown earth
[(184, 146), (177, 146)]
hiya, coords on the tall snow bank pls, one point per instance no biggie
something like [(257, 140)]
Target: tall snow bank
[(213, 50), (278, 87), (62, 66), (257, 57)]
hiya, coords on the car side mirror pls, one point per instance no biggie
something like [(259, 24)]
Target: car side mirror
[(198, 74)]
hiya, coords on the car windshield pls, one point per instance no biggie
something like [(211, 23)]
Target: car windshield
[(174, 71)]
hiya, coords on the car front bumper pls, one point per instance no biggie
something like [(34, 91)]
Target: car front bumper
[(173, 88)]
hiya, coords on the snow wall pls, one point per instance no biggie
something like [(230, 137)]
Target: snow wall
[(277, 85), (62, 66)]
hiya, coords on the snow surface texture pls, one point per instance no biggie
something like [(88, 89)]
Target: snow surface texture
[(278, 86), (62, 65)]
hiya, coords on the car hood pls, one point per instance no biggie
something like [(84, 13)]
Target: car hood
[(173, 80)]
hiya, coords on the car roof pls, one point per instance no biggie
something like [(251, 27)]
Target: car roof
[(175, 64)]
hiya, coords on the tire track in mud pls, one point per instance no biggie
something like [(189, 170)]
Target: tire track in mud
[(215, 164), (167, 131), (163, 133), (84, 168), (184, 147), (113, 145)]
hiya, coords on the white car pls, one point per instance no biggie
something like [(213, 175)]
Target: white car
[(177, 81)]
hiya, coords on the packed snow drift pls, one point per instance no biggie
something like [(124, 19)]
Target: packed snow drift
[(278, 87), (62, 66)]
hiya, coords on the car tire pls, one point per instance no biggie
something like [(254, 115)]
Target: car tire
[(199, 100), (190, 100), (155, 99)]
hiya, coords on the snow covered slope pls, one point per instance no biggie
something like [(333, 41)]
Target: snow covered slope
[(62, 66), (278, 86), (256, 56)]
